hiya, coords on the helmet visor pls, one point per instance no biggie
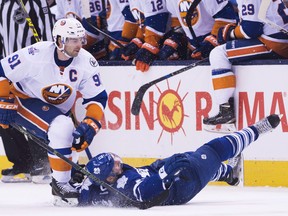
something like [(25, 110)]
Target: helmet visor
[(74, 41)]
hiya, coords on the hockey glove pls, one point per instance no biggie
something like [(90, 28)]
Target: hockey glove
[(77, 176), (171, 45), (8, 112), (130, 49), (205, 47), (145, 56), (115, 54), (172, 168), (84, 134), (226, 33)]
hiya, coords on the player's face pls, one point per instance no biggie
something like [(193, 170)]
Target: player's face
[(73, 46), (116, 171)]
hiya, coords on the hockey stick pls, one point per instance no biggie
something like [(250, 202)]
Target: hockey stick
[(105, 34), (29, 21), (128, 201), (141, 91), (189, 19), (87, 15), (262, 16)]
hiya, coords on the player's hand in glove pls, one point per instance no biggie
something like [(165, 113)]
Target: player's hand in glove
[(226, 33), (205, 47), (172, 168), (84, 134), (171, 45), (115, 54), (8, 112), (77, 176), (145, 56), (128, 52)]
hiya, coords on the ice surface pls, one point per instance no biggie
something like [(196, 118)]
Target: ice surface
[(31, 199)]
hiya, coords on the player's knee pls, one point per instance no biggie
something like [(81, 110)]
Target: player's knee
[(218, 58), (60, 132), (222, 146)]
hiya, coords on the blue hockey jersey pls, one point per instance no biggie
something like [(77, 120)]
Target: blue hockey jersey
[(144, 183)]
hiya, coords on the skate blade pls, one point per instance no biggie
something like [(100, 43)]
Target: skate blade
[(20, 178), (241, 171), (65, 202), (41, 179), (220, 128)]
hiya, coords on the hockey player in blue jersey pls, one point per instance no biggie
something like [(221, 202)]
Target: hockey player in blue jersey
[(183, 174)]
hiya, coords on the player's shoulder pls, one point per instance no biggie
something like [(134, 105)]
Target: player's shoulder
[(87, 59), (43, 45), (40, 48), (39, 51)]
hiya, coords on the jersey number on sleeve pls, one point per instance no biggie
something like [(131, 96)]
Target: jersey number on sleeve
[(14, 61), (97, 80)]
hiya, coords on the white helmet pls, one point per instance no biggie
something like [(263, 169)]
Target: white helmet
[(70, 27), (67, 28)]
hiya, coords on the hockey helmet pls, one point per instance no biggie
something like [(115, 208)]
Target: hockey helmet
[(102, 165), (68, 28)]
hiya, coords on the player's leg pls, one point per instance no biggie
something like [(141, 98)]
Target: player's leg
[(40, 173), (17, 152), (47, 122), (224, 80), (230, 172), (224, 84), (231, 145)]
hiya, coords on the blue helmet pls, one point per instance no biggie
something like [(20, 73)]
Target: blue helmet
[(102, 165)]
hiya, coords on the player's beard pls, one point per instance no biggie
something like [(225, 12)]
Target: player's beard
[(73, 53)]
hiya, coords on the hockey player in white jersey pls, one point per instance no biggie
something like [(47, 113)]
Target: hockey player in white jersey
[(76, 9), (66, 6), (45, 78), (121, 25), (260, 41), (208, 17), (152, 17)]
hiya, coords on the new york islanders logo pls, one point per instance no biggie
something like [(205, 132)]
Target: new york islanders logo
[(183, 7), (57, 93)]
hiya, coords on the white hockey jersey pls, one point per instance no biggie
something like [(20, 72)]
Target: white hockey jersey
[(115, 18), (137, 8), (203, 20), (276, 12), (65, 6), (35, 74)]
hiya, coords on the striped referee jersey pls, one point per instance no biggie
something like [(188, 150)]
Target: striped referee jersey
[(14, 30)]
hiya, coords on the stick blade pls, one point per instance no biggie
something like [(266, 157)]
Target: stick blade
[(135, 109)]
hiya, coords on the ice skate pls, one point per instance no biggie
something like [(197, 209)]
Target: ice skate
[(64, 194), (267, 124), (13, 175), (224, 121), (235, 177), (41, 175)]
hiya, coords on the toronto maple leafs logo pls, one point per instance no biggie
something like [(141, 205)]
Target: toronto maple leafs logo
[(122, 182), (96, 170)]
